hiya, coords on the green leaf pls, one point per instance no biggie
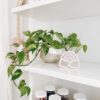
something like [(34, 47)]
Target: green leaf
[(35, 37), (10, 69), (23, 91), (73, 36), (28, 42), (15, 44), (49, 39), (16, 74), (76, 43), (57, 45), (51, 32), (32, 46), (45, 49), (59, 35), (27, 33), (21, 57), (28, 90), (65, 41), (85, 48), (10, 55), (22, 83)]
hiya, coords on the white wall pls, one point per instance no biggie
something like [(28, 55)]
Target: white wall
[(87, 28), (5, 86)]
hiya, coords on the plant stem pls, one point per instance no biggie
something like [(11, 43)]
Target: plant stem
[(78, 49), (31, 60), (15, 83), (66, 48)]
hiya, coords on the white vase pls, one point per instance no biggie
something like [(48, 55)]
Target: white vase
[(52, 57)]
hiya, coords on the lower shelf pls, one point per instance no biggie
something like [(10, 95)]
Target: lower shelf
[(88, 74)]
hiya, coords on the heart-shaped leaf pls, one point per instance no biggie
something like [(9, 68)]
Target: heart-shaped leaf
[(22, 83), (84, 48), (57, 45), (27, 33), (21, 57), (10, 69), (16, 74)]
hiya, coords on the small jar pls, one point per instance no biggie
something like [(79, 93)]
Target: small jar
[(40, 95), (50, 89), (63, 93), (79, 96), (54, 97)]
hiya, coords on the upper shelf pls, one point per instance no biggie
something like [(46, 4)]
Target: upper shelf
[(49, 10), (33, 5), (89, 73)]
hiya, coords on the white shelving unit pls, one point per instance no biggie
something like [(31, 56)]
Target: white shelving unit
[(89, 73), (85, 75), (33, 5)]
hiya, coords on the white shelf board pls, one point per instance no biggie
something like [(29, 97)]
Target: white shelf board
[(88, 74), (33, 5)]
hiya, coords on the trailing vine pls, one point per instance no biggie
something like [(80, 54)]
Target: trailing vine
[(35, 42)]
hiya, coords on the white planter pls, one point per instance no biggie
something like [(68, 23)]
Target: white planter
[(52, 57)]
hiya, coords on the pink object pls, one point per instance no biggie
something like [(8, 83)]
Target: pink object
[(69, 60)]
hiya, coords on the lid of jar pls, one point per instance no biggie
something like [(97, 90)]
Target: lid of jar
[(54, 97), (40, 94), (79, 96), (50, 88), (63, 91)]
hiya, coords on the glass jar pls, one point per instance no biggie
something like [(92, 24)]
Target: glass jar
[(50, 89), (79, 96), (40, 95), (54, 97), (64, 93)]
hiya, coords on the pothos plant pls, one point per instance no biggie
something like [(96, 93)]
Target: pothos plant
[(35, 42)]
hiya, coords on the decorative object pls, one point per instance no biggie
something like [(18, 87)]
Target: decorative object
[(70, 59), (21, 2)]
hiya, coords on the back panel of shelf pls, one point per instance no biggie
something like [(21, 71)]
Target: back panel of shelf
[(40, 81)]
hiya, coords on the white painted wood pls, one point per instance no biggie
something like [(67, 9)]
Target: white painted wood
[(84, 76), (32, 86), (54, 17), (5, 85), (65, 9), (33, 5)]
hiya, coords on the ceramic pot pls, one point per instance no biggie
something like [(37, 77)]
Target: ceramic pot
[(52, 57)]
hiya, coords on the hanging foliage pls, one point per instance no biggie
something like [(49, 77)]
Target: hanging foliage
[(35, 42)]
